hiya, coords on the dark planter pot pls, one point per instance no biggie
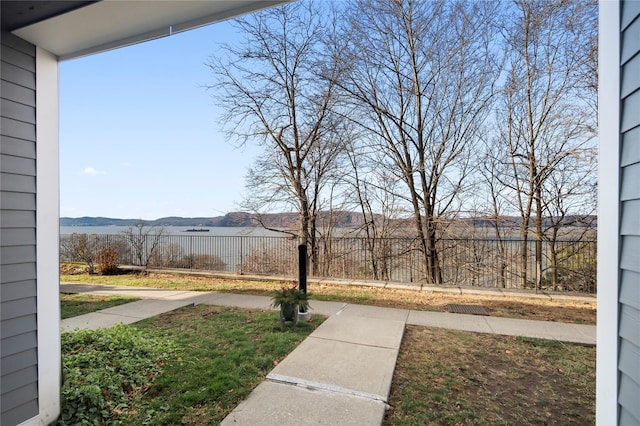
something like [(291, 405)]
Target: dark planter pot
[(288, 311)]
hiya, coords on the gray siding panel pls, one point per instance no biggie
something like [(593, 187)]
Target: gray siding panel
[(17, 309), (17, 272), (18, 111), (16, 344), (17, 326), (631, 111), (18, 165), (630, 11), (630, 41), (16, 254), (17, 183), (17, 93), (630, 152), (630, 258), (21, 413), (19, 59), (15, 398), (628, 397), (629, 354), (630, 294), (18, 361), (629, 290), (17, 75), (18, 201), (18, 129), (630, 220), (18, 237), (630, 325), (630, 189), (17, 219), (18, 287), (630, 79), (18, 290)]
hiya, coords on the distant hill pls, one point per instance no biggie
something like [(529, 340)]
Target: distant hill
[(234, 219)]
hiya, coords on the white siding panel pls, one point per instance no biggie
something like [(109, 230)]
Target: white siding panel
[(630, 152)]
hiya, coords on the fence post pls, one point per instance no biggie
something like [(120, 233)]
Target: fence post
[(302, 267)]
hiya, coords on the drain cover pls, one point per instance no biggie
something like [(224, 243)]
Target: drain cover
[(467, 309)]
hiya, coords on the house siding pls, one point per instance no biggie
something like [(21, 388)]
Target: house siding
[(18, 286), (629, 294)]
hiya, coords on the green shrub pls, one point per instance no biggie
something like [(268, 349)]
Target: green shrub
[(105, 370), (107, 261)]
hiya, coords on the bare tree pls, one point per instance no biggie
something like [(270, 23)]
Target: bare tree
[(421, 75), (272, 93), (545, 118), (144, 241)]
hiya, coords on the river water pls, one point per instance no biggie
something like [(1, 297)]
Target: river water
[(174, 230)]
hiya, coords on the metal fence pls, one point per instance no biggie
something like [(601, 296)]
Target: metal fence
[(489, 263)]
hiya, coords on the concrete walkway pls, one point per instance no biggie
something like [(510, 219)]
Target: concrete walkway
[(342, 372)]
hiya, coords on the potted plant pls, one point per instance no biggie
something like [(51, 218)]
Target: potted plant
[(291, 301)]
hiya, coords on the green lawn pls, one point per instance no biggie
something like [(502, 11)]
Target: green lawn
[(218, 356), (72, 305)]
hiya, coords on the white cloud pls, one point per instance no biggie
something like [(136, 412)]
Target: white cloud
[(125, 164), (90, 171)]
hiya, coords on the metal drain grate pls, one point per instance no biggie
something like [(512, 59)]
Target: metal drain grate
[(467, 309)]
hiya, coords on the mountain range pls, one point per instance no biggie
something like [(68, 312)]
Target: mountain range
[(339, 219)]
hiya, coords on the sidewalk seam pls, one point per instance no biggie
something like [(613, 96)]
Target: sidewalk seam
[(294, 381)]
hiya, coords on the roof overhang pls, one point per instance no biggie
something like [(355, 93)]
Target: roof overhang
[(110, 24)]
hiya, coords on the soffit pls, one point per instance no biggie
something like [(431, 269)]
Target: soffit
[(110, 24)]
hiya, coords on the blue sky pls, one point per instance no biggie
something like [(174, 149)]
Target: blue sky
[(140, 135)]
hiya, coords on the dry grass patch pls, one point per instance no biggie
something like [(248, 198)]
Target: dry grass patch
[(452, 377)]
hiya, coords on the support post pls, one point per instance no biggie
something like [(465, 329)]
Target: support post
[(302, 267)]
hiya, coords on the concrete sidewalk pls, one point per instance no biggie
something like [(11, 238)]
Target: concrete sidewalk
[(342, 372)]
